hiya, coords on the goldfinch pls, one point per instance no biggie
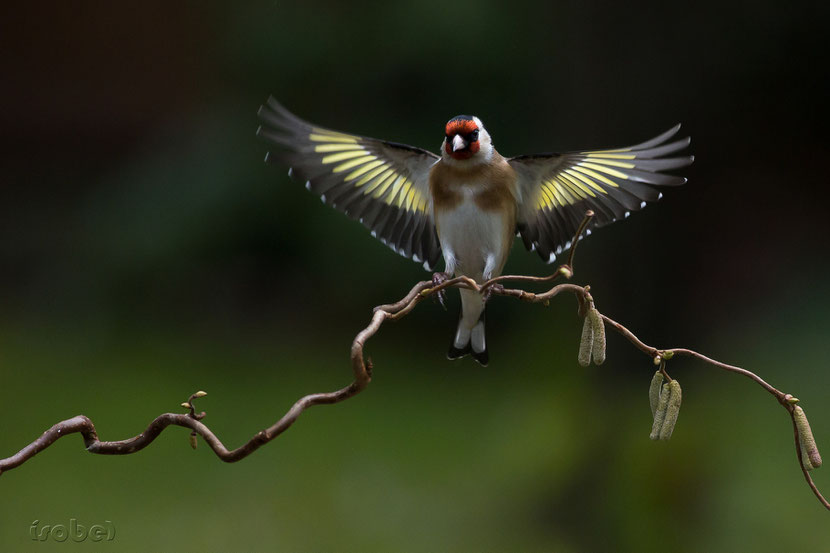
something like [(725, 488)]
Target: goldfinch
[(468, 203)]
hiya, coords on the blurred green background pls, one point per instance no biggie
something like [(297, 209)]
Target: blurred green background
[(147, 252)]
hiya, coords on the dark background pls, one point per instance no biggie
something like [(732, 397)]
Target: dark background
[(147, 252)]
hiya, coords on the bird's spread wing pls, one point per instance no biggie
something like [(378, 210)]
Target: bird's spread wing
[(382, 184), (557, 189)]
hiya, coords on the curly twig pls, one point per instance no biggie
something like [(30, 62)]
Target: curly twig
[(362, 371)]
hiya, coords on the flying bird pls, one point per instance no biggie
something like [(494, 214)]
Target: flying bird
[(468, 203)]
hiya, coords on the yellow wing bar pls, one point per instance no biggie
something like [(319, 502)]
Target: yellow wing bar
[(363, 168)]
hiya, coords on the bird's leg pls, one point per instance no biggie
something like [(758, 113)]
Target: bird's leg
[(490, 289), (449, 269), (438, 279), (489, 267)]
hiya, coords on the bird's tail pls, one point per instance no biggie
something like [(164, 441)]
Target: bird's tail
[(469, 338)]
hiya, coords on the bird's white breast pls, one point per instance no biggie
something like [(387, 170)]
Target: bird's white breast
[(469, 236)]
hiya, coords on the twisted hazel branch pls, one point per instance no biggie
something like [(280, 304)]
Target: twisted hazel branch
[(362, 374)]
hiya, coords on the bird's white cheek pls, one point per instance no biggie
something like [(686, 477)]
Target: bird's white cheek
[(485, 152)]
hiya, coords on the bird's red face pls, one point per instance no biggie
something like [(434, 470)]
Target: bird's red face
[(462, 137)]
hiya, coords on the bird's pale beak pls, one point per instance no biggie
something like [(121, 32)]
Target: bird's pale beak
[(458, 143)]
